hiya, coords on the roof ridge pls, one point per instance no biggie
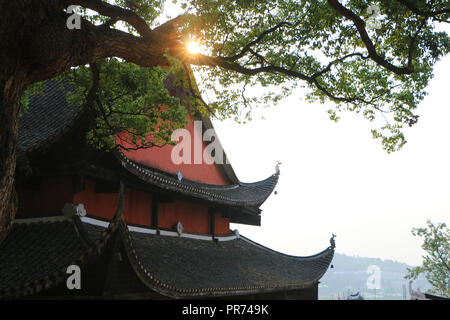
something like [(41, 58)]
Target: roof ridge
[(42, 219), (248, 194), (314, 256)]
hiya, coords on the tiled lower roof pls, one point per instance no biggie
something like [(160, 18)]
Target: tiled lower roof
[(35, 256), (36, 253), (186, 268)]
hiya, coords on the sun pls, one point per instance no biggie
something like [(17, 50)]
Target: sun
[(193, 47)]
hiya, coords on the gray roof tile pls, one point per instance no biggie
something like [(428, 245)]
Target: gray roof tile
[(37, 252), (184, 267), (48, 116)]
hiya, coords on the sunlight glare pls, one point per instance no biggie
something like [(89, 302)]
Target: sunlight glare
[(193, 47)]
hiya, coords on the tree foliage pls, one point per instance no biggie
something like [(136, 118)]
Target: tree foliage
[(326, 47), (127, 103), (436, 262)]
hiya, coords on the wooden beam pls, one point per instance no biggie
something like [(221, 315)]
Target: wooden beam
[(103, 186)]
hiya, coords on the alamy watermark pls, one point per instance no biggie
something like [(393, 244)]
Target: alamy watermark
[(374, 280), (74, 280), (74, 20), (183, 152), (374, 14)]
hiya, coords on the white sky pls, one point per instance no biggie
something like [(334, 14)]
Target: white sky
[(335, 178)]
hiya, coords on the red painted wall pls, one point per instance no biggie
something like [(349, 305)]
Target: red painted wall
[(194, 217), (160, 158), (56, 192), (138, 204), (102, 205), (138, 210)]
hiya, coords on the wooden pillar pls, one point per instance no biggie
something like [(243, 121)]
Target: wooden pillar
[(212, 221), (155, 211)]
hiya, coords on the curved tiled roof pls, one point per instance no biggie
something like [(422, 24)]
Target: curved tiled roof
[(35, 256), (242, 194), (184, 268), (36, 253), (48, 117)]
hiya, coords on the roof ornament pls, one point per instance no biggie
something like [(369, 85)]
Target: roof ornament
[(118, 217), (81, 211), (70, 210), (179, 228), (277, 168), (120, 211), (332, 242), (416, 294), (179, 175)]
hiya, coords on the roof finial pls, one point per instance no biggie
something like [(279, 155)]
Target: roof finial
[(332, 242), (277, 168), (416, 294), (118, 216)]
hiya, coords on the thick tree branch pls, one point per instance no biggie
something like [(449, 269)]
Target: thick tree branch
[(95, 84), (360, 26), (413, 40), (115, 12), (200, 59), (78, 47)]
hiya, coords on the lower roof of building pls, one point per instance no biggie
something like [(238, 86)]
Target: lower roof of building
[(36, 254)]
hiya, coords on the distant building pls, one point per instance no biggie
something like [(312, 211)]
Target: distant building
[(356, 296)]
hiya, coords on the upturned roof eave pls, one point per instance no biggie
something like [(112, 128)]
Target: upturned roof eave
[(242, 194), (178, 292)]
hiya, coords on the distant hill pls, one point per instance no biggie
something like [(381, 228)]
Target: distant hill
[(349, 275)]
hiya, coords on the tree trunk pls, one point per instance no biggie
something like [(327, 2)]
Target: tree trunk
[(36, 44), (11, 90), (11, 87)]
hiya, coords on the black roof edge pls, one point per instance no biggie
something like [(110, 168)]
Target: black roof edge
[(261, 190), (177, 293)]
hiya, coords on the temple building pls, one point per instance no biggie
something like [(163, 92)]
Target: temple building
[(136, 225)]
